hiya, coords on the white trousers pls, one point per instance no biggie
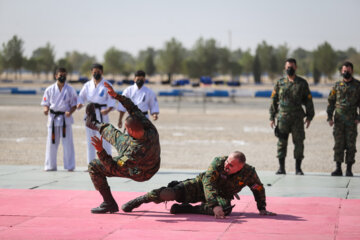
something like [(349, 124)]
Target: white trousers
[(91, 152), (68, 149)]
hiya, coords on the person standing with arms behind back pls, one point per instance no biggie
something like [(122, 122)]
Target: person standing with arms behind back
[(144, 98), (60, 100), (344, 99), (95, 92), (287, 98)]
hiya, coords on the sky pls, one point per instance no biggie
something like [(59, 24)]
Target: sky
[(92, 27)]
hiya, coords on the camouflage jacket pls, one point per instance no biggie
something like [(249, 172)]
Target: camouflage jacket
[(290, 96), (344, 98), (218, 186), (140, 156)]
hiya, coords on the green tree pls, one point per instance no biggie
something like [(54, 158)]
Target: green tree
[(63, 62), (146, 61), (114, 62), (13, 55), (86, 67), (304, 61), (77, 60), (325, 59), (170, 59), (1, 64), (281, 54), (247, 62), (257, 69), (129, 65), (45, 58), (266, 57), (33, 66)]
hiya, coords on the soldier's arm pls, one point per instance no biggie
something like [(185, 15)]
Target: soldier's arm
[(112, 135), (209, 179), (258, 190), (308, 102), (274, 102), (331, 104)]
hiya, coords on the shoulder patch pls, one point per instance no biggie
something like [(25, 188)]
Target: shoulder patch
[(332, 93), (309, 96), (273, 93)]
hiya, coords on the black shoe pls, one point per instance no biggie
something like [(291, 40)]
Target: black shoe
[(281, 166), (298, 170), (135, 203), (91, 121), (181, 208), (348, 170), (106, 207), (338, 172)]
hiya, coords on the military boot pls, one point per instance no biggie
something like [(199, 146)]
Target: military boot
[(281, 167), (135, 203), (109, 204), (348, 170), (188, 208), (91, 121), (298, 170), (338, 171)]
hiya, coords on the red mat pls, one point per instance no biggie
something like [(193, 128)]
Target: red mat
[(65, 214)]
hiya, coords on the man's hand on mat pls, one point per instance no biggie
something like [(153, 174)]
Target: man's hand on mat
[(218, 212)]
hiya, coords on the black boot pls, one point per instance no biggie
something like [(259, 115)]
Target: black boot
[(348, 170), (298, 170), (135, 203), (282, 166), (109, 204), (338, 171), (188, 208)]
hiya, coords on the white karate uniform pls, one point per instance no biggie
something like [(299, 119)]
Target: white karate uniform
[(144, 98), (59, 102), (99, 94)]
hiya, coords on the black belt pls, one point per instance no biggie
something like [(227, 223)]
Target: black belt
[(99, 106), (53, 125), (145, 113)]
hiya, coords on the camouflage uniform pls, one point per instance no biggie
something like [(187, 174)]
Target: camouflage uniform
[(344, 99), (287, 99), (215, 188), (138, 159)]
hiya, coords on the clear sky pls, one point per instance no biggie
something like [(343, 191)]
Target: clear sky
[(94, 26)]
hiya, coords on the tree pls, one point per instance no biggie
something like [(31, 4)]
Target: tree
[(266, 58), (86, 66), (32, 65), (45, 58), (257, 69), (1, 64), (129, 65), (77, 60), (247, 62), (170, 59), (304, 61), (63, 62), (146, 61), (281, 54), (114, 63), (325, 59), (13, 54)]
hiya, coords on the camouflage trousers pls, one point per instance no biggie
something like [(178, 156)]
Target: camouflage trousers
[(188, 191), (345, 133), (291, 123), (109, 167)]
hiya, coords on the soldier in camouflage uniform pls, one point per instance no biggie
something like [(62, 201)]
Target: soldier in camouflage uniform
[(138, 151), (344, 99), (287, 98), (214, 188)]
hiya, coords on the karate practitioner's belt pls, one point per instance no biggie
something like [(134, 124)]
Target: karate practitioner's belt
[(145, 113), (53, 125), (99, 106)]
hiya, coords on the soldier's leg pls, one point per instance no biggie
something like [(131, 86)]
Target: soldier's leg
[(339, 146), (51, 150), (68, 149), (298, 137), (174, 191), (203, 208), (350, 137), (284, 129), (112, 135)]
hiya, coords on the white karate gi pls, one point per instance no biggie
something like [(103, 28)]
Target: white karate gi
[(59, 102), (99, 94), (144, 98)]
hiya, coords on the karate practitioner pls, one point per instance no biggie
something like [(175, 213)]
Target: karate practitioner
[(94, 91), (144, 98), (60, 99)]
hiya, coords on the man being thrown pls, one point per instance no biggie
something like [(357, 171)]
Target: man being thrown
[(138, 151), (215, 188)]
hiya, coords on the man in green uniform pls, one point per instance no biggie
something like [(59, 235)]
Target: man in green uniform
[(344, 99), (138, 151), (287, 98), (215, 189)]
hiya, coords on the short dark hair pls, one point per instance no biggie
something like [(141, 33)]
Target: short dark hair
[(291, 60), (60, 69), (239, 156), (139, 73), (98, 66), (347, 64), (134, 123)]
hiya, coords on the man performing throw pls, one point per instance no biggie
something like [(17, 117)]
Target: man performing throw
[(139, 150), (214, 188)]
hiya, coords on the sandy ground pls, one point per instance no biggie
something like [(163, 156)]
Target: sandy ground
[(191, 134)]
